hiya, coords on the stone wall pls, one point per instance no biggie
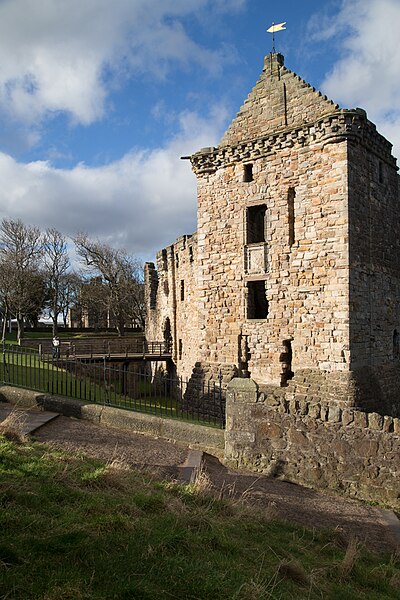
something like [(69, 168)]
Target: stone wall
[(171, 300), (295, 267), (306, 282), (374, 266), (318, 444)]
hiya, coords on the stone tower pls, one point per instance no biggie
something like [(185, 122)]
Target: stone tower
[(293, 275)]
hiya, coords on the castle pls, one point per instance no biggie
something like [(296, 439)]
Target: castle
[(293, 275)]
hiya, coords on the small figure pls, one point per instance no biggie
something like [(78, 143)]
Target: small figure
[(56, 347)]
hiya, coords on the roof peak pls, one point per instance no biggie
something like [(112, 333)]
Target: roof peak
[(274, 58), (273, 63)]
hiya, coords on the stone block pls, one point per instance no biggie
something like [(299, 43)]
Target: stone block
[(375, 421), (360, 419)]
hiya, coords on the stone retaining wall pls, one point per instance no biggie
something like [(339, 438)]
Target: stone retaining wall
[(317, 444), (196, 436)]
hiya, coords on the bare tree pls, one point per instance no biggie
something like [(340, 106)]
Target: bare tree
[(56, 265), (121, 275), (69, 292), (21, 280)]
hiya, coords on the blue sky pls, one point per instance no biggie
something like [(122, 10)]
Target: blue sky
[(99, 99)]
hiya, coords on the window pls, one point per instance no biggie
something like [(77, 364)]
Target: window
[(182, 290), (380, 172), (290, 203), (165, 260), (176, 260), (285, 359), (191, 253), (248, 173), (257, 302), (180, 348), (256, 224), (167, 335)]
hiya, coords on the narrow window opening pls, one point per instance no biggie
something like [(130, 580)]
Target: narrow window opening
[(256, 224), (248, 173), (167, 335), (285, 359), (396, 345), (257, 302), (176, 259), (380, 172), (180, 349), (290, 201), (182, 290), (165, 260), (166, 287), (191, 253)]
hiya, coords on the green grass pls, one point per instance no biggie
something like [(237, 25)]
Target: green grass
[(73, 528), (27, 370), (11, 338)]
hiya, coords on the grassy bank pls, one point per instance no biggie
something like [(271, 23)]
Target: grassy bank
[(28, 370), (73, 528)]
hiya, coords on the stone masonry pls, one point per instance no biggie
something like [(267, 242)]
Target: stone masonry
[(314, 443), (293, 275)]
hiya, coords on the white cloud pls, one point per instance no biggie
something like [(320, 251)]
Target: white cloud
[(368, 72), (141, 202), (56, 54)]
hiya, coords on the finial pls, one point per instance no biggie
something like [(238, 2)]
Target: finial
[(272, 29)]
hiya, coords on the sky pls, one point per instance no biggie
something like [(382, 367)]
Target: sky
[(100, 99)]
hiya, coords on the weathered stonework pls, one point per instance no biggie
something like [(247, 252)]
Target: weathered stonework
[(318, 444), (293, 274)]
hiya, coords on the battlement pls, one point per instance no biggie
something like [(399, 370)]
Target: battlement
[(350, 125)]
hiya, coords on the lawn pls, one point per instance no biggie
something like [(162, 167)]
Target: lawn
[(105, 385), (11, 337), (73, 528)]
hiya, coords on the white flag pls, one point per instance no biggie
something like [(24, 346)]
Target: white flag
[(277, 27)]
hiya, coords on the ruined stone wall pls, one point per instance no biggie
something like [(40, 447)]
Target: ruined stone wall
[(313, 443), (171, 301)]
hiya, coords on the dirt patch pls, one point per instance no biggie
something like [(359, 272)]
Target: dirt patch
[(107, 444)]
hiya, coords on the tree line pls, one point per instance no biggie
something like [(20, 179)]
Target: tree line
[(37, 278)]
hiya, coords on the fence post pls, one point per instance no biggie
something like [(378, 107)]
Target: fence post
[(105, 380)]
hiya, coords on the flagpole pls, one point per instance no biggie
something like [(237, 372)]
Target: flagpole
[(273, 38)]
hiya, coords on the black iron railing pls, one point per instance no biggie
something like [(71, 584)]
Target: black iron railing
[(130, 385), (109, 348)]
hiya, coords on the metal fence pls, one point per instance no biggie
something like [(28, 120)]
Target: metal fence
[(95, 348), (128, 385)]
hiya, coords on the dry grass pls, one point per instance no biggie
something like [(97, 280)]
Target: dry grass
[(12, 428), (201, 483), (292, 569), (350, 558)]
